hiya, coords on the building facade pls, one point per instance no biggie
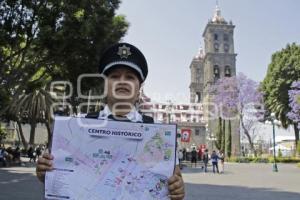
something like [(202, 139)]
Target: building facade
[(215, 61)]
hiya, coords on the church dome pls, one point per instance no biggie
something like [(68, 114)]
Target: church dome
[(218, 17)]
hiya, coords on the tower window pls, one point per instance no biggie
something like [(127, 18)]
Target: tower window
[(197, 132), (198, 97), (216, 46), (216, 72), (216, 36), (226, 37), (226, 48), (227, 71)]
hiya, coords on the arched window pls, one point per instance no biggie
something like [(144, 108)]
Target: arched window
[(216, 72), (216, 37), (198, 97), (226, 37), (227, 71)]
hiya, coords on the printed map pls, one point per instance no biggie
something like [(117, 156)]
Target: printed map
[(109, 160)]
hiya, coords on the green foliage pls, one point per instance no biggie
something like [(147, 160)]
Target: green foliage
[(263, 160), (32, 108), (3, 134), (223, 136), (229, 140), (298, 164), (279, 153), (283, 70), (49, 40), (298, 148), (218, 142)]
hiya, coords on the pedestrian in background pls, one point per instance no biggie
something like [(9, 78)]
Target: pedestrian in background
[(222, 159), (214, 160), (180, 157), (194, 157), (205, 159)]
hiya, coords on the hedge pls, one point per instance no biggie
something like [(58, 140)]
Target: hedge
[(263, 160)]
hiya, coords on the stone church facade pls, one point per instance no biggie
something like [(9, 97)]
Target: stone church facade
[(216, 60)]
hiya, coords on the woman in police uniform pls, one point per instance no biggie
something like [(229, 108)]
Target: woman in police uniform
[(126, 70)]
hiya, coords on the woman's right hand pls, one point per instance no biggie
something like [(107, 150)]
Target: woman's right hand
[(44, 164)]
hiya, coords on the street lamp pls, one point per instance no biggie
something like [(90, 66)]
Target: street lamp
[(273, 120), (169, 109), (211, 138)]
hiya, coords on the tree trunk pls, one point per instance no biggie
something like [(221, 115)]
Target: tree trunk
[(248, 136), (218, 142), (296, 130), (20, 130), (223, 137), (229, 138), (32, 133)]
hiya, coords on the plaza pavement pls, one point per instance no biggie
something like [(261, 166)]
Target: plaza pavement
[(243, 182), (239, 182)]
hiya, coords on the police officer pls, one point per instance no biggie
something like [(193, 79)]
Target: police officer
[(126, 69)]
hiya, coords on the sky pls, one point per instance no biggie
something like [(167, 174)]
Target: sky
[(169, 33)]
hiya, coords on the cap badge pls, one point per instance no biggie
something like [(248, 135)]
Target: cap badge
[(124, 51)]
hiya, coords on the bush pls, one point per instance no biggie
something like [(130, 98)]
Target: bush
[(263, 160), (298, 164), (279, 153), (298, 148), (285, 160), (260, 160)]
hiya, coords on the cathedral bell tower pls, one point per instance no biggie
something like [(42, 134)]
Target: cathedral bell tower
[(217, 60), (220, 57)]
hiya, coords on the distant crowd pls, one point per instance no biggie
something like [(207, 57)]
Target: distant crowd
[(12, 156), (203, 158)]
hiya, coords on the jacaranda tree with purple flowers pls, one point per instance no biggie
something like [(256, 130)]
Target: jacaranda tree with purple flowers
[(294, 99), (237, 99)]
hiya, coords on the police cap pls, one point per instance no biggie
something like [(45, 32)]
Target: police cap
[(124, 54)]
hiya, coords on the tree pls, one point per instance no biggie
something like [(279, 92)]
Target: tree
[(223, 136), (42, 41), (33, 107), (237, 98), (283, 70), (75, 34), (3, 134), (279, 153), (19, 58), (298, 149), (294, 99), (219, 141), (64, 38), (229, 140)]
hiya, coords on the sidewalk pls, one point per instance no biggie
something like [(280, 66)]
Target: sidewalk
[(240, 181), (243, 182)]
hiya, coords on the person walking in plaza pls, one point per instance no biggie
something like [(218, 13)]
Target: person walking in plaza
[(38, 151), (214, 160), (194, 157), (205, 159), (3, 154), (184, 153), (200, 154), (222, 160), (180, 157), (125, 68), (31, 154)]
